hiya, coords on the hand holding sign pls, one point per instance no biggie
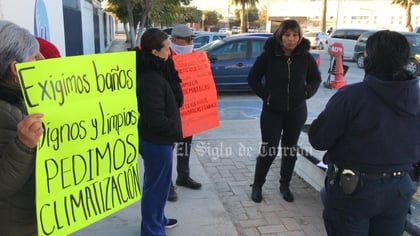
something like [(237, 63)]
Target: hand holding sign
[(29, 130)]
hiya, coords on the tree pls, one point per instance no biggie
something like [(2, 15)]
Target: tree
[(190, 15), (407, 4), (137, 11), (128, 11), (211, 18), (262, 16), (253, 14), (244, 4)]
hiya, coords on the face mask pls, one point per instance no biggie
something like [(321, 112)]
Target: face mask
[(178, 49)]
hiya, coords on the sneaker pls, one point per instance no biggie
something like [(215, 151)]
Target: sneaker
[(173, 196), (171, 224), (188, 182)]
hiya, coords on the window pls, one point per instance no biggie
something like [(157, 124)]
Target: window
[(233, 50), (200, 41), (257, 47), (339, 34), (354, 34)]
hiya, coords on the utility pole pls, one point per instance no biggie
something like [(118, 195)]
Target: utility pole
[(322, 25)]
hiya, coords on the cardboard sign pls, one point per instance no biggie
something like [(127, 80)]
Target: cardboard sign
[(87, 157), (199, 112)]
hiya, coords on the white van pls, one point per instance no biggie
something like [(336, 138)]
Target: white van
[(347, 37)]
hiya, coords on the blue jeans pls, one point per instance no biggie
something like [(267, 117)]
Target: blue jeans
[(157, 160), (378, 207)]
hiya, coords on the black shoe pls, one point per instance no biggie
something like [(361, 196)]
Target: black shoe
[(171, 224), (188, 182), (173, 196), (256, 194), (287, 195)]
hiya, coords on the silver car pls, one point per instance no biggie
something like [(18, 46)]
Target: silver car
[(318, 39)]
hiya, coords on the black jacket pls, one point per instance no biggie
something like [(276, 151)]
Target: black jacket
[(372, 126), (159, 97), (286, 86)]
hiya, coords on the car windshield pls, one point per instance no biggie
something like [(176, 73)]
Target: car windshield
[(211, 45)]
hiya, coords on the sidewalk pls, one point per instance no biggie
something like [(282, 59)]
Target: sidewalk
[(223, 160)]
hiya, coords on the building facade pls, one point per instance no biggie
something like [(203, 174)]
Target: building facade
[(76, 27), (379, 14)]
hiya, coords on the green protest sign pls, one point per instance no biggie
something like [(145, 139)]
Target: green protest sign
[(87, 157)]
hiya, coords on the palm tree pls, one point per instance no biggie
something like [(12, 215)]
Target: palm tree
[(244, 17), (407, 4)]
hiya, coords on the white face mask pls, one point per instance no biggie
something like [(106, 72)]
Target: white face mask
[(178, 49)]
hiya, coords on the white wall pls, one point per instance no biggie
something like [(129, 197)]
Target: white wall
[(87, 27), (22, 12)]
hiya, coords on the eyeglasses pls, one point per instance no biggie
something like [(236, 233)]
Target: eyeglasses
[(187, 39)]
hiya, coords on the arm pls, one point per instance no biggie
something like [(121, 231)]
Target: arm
[(17, 161), (256, 75), (313, 78), (330, 125), (154, 105)]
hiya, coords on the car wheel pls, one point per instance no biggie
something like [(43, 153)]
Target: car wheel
[(413, 66), (360, 61)]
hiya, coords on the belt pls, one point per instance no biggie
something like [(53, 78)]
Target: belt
[(383, 175), (334, 170)]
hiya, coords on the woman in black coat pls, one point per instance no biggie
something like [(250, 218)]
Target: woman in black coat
[(159, 98), (291, 76)]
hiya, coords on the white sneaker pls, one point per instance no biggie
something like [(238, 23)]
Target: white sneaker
[(171, 224)]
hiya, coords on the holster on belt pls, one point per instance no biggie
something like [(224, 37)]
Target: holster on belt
[(347, 179)]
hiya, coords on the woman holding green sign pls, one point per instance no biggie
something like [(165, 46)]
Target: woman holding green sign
[(19, 134), (159, 99)]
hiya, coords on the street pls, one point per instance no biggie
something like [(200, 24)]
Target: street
[(246, 105)]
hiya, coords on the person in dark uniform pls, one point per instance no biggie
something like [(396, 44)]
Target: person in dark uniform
[(371, 131)]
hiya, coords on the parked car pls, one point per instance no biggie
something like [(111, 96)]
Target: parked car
[(231, 60), (359, 48), (347, 37), (225, 30), (413, 62), (168, 30), (318, 39), (259, 34), (203, 38), (236, 30)]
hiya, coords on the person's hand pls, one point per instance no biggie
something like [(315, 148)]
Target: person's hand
[(30, 129)]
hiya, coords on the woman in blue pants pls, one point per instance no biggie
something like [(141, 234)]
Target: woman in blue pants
[(159, 98)]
